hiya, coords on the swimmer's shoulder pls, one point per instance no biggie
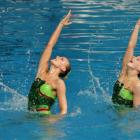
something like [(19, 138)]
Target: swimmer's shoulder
[(136, 86), (60, 85), (60, 82)]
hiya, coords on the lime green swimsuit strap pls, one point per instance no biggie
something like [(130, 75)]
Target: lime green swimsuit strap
[(47, 90), (126, 94)]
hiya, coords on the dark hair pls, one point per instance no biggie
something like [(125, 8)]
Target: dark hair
[(139, 75), (64, 74)]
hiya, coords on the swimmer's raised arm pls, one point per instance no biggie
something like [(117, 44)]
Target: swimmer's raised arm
[(130, 50), (43, 64)]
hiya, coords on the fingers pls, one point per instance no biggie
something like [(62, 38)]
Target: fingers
[(68, 15), (69, 23), (66, 19), (69, 11)]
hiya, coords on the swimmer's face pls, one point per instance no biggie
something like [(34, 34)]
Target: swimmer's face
[(134, 63), (60, 62)]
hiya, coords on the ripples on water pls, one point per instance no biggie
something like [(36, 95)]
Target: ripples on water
[(95, 44)]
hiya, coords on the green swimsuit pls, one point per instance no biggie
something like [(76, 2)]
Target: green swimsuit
[(41, 97), (121, 95)]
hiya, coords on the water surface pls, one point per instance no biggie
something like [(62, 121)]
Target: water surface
[(94, 43)]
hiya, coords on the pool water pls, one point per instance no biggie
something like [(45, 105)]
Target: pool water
[(94, 43)]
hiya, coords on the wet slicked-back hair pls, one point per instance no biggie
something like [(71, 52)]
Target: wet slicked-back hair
[(64, 74), (139, 75)]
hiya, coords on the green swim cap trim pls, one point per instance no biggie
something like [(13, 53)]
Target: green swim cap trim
[(126, 94), (47, 90)]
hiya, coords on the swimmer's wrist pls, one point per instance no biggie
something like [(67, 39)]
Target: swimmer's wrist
[(61, 24)]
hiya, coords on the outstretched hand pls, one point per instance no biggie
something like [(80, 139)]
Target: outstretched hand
[(66, 20)]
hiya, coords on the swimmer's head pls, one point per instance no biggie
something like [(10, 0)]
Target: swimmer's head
[(63, 64), (134, 63)]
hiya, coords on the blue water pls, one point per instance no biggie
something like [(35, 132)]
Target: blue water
[(94, 43)]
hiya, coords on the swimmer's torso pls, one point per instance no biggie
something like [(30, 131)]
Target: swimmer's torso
[(121, 95), (41, 97)]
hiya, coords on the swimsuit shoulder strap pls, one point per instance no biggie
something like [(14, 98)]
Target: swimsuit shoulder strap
[(126, 94), (47, 90)]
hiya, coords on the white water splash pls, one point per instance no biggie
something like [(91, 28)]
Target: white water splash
[(76, 112), (18, 102), (95, 84)]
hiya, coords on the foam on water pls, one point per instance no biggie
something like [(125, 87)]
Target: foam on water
[(18, 102), (94, 42), (77, 111)]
